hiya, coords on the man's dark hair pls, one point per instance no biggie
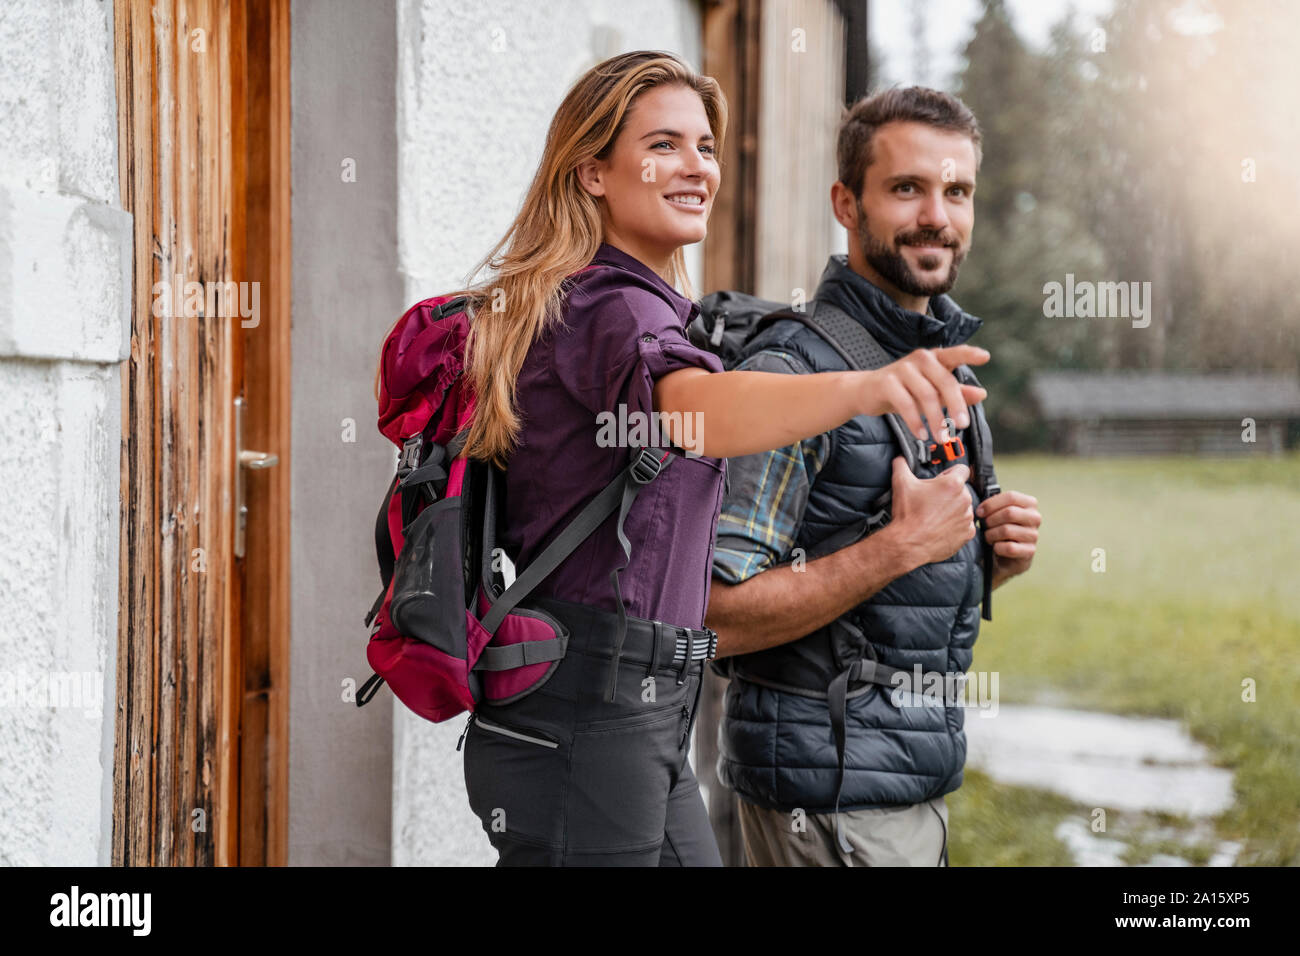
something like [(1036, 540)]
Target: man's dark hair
[(912, 104)]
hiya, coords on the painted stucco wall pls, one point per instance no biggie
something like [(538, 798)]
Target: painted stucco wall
[(476, 88), (65, 261), (346, 293)]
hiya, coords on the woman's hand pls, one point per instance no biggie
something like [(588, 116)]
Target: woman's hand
[(922, 383), (742, 413)]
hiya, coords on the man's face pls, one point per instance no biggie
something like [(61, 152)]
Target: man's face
[(916, 211)]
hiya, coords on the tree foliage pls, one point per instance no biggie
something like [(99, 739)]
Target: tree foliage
[(1158, 148)]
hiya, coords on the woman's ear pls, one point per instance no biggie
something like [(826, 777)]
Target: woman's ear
[(590, 177)]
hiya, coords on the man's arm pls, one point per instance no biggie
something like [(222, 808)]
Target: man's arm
[(782, 604), (931, 520)]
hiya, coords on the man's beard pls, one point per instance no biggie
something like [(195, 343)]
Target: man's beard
[(889, 263)]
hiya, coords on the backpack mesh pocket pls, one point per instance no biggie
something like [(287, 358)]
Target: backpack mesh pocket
[(428, 601)]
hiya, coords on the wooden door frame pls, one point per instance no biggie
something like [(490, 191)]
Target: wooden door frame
[(265, 620), (200, 770), (732, 56)]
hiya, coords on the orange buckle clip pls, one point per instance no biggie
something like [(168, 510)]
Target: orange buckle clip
[(952, 450)]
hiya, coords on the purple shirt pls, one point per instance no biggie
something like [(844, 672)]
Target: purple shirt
[(624, 328)]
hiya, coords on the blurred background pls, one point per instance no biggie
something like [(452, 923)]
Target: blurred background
[(1140, 141)]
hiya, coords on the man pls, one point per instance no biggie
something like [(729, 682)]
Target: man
[(907, 595)]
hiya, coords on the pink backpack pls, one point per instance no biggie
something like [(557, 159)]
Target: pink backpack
[(445, 632)]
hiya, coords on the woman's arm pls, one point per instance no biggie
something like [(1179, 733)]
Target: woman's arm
[(740, 413)]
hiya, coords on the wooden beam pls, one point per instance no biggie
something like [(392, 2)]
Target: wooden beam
[(176, 448), (731, 56), (266, 348)]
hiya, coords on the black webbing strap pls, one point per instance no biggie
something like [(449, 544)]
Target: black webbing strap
[(652, 665), (837, 703), (509, 656), (384, 550), (859, 350), (428, 481), (986, 482), (613, 496), (837, 695), (368, 689), (855, 532), (631, 489)]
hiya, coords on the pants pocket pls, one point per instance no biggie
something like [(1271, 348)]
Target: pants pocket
[(514, 779), (620, 781)]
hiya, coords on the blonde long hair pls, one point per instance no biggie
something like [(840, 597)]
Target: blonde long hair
[(557, 232)]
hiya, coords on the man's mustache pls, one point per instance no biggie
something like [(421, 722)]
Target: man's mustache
[(914, 238)]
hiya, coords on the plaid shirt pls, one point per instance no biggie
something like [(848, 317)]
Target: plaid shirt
[(767, 492)]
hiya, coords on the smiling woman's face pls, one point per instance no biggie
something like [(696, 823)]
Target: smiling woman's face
[(659, 180)]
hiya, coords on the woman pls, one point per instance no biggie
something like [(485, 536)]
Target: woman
[(581, 316)]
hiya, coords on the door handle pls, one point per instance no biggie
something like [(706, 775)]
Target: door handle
[(246, 460), (257, 459)]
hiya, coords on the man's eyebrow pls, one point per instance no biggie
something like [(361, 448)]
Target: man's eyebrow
[(904, 177), (675, 134)]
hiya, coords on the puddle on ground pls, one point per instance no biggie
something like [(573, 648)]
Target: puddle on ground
[(1094, 849), (1122, 764), (1099, 760)]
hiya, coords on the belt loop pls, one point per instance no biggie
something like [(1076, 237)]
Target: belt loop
[(690, 650), (652, 667)]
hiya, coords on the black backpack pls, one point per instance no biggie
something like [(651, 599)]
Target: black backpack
[(728, 321)]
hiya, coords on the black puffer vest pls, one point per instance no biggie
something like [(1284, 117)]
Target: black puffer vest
[(778, 748)]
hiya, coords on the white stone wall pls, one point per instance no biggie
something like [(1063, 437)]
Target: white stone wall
[(477, 86), (65, 268)]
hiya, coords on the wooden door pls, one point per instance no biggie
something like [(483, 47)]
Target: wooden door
[(201, 765)]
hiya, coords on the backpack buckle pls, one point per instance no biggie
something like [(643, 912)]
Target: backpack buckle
[(952, 450), (878, 520), (410, 457), (646, 467)]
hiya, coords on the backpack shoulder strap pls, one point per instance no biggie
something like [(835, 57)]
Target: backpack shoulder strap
[(981, 441), (859, 350), (846, 335), (986, 479)]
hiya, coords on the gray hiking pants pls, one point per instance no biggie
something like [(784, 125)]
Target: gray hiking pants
[(563, 777), (913, 835)]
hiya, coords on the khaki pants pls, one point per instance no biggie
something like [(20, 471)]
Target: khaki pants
[(914, 835)]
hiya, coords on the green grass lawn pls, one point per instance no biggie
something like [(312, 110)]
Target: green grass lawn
[(1200, 592)]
